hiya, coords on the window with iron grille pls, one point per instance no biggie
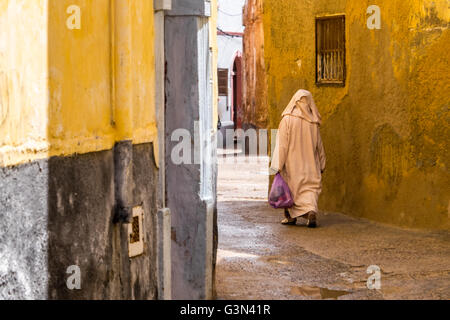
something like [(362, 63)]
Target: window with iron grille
[(330, 50), (223, 81)]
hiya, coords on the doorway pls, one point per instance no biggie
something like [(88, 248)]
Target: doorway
[(237, 91)]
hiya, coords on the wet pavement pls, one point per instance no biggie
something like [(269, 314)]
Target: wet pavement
[(258, 258)]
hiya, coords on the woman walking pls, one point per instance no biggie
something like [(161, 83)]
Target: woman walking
[(299, 157)]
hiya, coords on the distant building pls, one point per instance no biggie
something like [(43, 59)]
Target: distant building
[(229, 38), (380, 77)]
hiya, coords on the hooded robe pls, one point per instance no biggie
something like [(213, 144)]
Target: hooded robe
[(299, 155)]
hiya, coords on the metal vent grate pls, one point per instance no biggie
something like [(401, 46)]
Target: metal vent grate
[(134, 236), (136, 233)]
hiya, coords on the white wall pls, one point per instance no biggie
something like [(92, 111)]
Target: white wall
[(230, 15)]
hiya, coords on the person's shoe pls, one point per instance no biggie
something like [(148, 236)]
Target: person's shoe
[(289, 222), (312, 220)]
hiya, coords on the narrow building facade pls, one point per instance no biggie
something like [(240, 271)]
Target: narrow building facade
[(84, 177), (229, 34)]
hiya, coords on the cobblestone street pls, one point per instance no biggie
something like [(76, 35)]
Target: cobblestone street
[(258, 258)]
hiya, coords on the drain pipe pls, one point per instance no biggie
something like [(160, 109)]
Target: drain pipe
[(122, 108)]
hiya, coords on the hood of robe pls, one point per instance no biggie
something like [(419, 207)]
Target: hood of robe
[(302, 105)]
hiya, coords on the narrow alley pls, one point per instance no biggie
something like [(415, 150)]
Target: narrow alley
[(258, 258), (136, 139)]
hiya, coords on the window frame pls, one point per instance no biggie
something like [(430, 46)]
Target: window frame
[(219, 70), (339, 83)]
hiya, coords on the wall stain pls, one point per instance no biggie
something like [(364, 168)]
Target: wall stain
[(4, 97), (386, 158)]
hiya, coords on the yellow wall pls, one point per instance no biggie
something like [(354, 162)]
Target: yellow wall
[(67, 94), (23, 84), (254, 79), (386, 132), (143, 72)]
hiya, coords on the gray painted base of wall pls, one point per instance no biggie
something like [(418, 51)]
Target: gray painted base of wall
[(23, 231), (58, 212), (193, 247)]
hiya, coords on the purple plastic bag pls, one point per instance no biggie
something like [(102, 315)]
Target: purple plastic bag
[(280, 197)]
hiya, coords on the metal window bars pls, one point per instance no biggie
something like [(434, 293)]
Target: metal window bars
[(330, 50)]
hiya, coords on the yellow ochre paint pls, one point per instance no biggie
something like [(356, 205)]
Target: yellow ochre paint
[(23, 81), (66, 91), (386, 133)]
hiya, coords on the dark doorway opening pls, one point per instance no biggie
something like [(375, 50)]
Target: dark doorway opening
[(237, 91)]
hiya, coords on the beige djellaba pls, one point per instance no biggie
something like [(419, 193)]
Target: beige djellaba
[(299, 155)]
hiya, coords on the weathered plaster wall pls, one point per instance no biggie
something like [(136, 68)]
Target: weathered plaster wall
[(53, 216), (59, 93), (24, 236), (183, 181), (80, 231), (143, 71), (90, 111), (23, 84), (66, 98), (254, 74), (386, 132), (190, 191)]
